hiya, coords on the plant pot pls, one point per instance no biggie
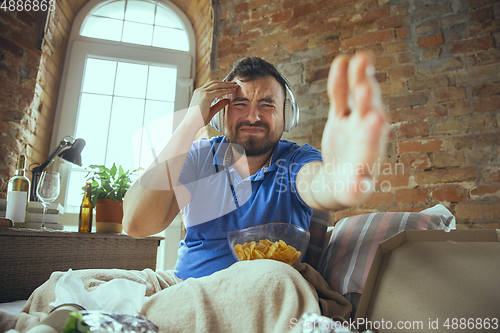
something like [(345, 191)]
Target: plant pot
[(109, 215)]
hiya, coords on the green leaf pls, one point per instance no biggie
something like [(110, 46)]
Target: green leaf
[(109, 183)]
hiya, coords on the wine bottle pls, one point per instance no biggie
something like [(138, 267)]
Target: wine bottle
[(86, 211), (18, 191)]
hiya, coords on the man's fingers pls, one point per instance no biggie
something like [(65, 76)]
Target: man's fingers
[(360, 86), (337, 86), (217, 85), (217, 107)]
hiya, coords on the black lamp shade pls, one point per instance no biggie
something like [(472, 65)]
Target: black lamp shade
[(74, 153)]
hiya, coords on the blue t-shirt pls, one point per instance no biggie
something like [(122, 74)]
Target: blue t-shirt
[(222, 201)]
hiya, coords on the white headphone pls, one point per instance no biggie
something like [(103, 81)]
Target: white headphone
[(291, 110)]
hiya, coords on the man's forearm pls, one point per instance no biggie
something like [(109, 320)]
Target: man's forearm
[(151, 203)]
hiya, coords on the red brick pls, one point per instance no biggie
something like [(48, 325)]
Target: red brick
[(375, 37), (485, 189), (486, 104), (472, 45), (413, 130), (399, 9), (411, 196), (247, 37), (417, 209), (484, 28), (493, 174), (487, 89), (364, 17), (11, 47), (237, 49), (426, 41), (416, 161), (408, 101), (391, 22), (378, 199), (458, 109), (419, 146), (295, 45), (481, 15), (476, 211), (256, 4), (448, 94), (491, 56), (352, 212), (226, 42), (403, 32), (448, 193), (396, 47), (446, 176), (259, 24), (427, 27), (395, 180), (401, 72), (241, 8), (408, 115), (281, 16), (307, 9)]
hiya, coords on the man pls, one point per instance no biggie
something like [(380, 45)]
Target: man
[(284, 181), (247, 177)]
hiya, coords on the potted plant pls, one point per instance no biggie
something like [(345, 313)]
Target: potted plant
[(109, 186)]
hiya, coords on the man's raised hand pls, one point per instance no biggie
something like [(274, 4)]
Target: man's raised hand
[(355, 133)]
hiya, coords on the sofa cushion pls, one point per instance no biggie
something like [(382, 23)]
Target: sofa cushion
[(349, 253)]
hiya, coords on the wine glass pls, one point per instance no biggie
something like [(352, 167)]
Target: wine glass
[(48, 190)]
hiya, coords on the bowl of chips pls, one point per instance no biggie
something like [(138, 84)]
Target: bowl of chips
[(284, 242)]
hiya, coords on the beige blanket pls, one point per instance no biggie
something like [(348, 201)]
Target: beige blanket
[(252, 296)]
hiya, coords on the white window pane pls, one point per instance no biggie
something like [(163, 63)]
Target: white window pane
[(131, 80), (114, 10), (157, 131), (137, 33), (126, 119), (75, 192), (99, 76), (170, 38), (103, 28), (166, 18), (92, 126), (140, 11), (161, 83)]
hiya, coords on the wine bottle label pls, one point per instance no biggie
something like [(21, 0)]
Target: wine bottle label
[(16, 206)]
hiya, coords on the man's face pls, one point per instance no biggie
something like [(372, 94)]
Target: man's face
[(254, 118)]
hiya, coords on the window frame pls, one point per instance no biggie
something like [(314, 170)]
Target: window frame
[(80, 48)]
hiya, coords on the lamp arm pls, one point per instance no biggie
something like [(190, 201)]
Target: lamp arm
[(37, 171), (63, 144)]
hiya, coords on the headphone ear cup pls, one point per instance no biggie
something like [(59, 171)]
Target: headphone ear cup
[(291, 110), (287, 114), (217, 120)]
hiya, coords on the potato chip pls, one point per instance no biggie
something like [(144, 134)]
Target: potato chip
[(266, 249)]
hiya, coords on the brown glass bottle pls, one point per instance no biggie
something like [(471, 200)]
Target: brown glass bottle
[(86, 211)]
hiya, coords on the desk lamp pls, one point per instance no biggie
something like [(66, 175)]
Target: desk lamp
[(69, 150)]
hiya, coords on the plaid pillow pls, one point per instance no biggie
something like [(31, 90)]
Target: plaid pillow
[(354, 241)]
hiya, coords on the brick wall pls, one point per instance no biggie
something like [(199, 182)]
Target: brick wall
[(437, 63), (30, 78), (438, 66)]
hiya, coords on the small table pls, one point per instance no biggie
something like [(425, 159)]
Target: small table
[(29, 256)]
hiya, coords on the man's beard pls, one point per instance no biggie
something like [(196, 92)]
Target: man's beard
[(254, 146)]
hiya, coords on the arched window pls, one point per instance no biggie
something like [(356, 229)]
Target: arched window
[(129, 63)]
